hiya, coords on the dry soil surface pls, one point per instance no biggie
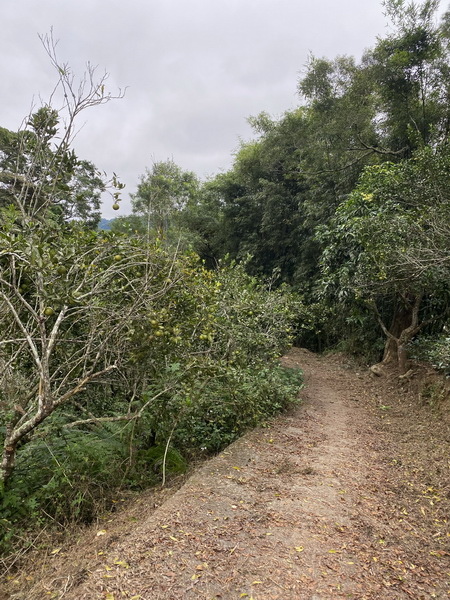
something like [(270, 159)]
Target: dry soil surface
[(346, 497)]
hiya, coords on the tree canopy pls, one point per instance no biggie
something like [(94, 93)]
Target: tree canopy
[(345, 196)]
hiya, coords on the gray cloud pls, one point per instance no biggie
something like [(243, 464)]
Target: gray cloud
[(195, 69)]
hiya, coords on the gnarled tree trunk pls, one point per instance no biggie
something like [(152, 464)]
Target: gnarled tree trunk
[(404, 326)]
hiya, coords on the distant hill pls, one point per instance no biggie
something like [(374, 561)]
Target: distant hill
[(104, 223)]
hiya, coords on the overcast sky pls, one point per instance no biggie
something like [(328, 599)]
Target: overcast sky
[(194, 70)]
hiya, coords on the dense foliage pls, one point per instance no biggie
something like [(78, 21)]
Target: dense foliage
[(346, 197), (32, 173), (116, 351), (386, 247)]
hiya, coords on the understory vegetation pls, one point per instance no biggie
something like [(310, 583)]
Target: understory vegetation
[(151, 362), (126, 353)]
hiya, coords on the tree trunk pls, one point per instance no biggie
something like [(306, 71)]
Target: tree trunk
[(404, 326), (401, 320), (8, 461), (13, 437), (402, 354)]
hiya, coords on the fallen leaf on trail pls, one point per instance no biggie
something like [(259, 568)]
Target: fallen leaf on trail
[(237, 468), (173, 538), (333, 551), (299, 548), (55, 551), (256, 582), (122, 563), (101, 532), (109, 596)]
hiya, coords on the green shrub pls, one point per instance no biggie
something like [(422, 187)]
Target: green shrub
[(211, 414), (75, 476), (238, 401), (203, 345), (435, 350)]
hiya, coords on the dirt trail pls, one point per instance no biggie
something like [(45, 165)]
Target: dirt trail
[(316, 507)]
